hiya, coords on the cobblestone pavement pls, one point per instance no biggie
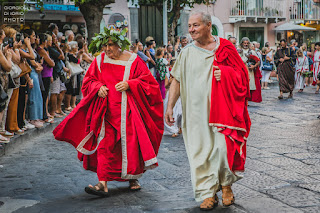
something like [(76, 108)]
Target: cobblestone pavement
[(282, 175)]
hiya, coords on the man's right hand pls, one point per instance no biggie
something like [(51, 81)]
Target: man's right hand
[(103, 91), (169, 117)]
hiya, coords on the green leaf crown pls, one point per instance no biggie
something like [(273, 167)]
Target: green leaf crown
[(102, 39)]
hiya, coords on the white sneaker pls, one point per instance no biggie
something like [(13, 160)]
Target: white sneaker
[(267, 88), (29, 125)]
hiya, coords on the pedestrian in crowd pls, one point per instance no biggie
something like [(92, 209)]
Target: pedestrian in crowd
[(182, 43), (151, 62), (85, 62), (114, 85), (73, 86), (53, 29), (285, 59), (151, 40), (267, 67), (12, 113), (57, 88), (308, 74), (258, 51), (233, 40), (316, 66), (161, 70), (251, 59), (35, 101), (46, 74), (170, 49), (69, 36), (294, 45), (5, 68), (29, 56), (302, 66), (140, 53), (211, 149)]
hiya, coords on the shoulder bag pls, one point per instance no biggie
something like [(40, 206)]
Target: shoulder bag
[(25, 67), (75, 69)]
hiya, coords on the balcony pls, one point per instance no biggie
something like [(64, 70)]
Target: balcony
[(266, 11), (302, 11)]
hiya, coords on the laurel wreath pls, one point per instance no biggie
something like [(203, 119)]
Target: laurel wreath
[(102, 39)]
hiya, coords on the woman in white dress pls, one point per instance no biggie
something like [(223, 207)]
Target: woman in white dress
[(302, 66)]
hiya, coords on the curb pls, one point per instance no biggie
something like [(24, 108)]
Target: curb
[(18, 140)]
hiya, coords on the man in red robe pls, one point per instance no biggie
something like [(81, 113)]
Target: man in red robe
[(117, 127), (213, 84), (251, 59)]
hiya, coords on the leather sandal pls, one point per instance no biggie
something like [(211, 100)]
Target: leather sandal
[(94, 191), (227, 196), (280, 96), (209, 203), (134, 185)]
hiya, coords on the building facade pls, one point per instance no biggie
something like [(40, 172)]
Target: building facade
[(255, 19)]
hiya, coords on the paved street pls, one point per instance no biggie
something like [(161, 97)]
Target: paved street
[(282, 175)]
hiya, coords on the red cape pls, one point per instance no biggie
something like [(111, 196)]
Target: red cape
[(143, 120), (229, 98)]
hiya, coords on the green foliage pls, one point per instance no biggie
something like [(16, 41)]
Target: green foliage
[(102, 39)]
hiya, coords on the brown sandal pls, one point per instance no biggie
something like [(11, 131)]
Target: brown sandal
[(134, 185), (94, 191), (209, 203), (227, 196)]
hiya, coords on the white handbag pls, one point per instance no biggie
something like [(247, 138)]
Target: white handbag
[(75, 69), (15, 71)]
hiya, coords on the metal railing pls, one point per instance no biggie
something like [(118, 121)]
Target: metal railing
[(258, 8), (305, 10)]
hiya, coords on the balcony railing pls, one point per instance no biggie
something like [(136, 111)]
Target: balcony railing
[(258, 8), (305, 10)]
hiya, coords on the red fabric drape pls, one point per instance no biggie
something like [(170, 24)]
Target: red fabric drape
[(144, 116), (229, 99)]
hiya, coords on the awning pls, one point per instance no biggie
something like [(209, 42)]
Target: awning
[(291, 27)]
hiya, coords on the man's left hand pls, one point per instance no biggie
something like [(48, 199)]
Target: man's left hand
[(122, 86), (217, 73)]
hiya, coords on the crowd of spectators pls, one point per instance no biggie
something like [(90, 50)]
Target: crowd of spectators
[(41, 76)]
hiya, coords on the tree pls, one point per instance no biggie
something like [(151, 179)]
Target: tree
[(92, 11), (174, 14)]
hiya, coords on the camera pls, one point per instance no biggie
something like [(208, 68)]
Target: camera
[(8, 41)]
